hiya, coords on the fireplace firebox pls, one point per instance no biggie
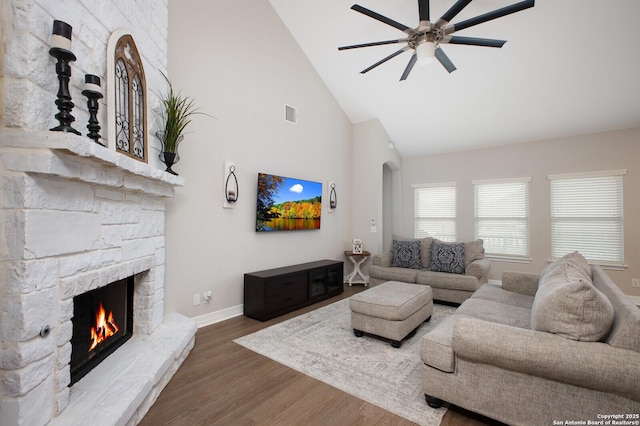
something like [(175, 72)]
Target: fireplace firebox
[(102, 322)]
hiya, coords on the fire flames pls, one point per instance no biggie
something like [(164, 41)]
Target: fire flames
[(105, 327)]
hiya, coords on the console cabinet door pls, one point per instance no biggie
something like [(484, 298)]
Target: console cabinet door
[(335, 279), (325, 281), (317, 282), (282, 292)]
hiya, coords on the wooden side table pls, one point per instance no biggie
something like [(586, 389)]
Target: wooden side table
[(357, 259)]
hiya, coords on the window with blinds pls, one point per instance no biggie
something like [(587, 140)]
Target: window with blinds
[(586, 215), (435, 211), (502, 217)]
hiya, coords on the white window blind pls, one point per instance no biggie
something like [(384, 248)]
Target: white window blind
[(435, 211), (502, 217), (586, 215)]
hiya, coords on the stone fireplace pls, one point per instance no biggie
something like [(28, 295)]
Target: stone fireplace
[(75, 217)]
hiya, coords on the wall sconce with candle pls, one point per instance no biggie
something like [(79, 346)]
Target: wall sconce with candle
[(333, 197), (61, 50), (231, 188)]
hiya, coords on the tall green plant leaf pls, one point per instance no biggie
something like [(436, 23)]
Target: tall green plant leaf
[(176, 116)]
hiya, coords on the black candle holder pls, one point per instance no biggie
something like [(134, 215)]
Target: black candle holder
[(63, 69), (231, 192), (333, 197), (92, 93)]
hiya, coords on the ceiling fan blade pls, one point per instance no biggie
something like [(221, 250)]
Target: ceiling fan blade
[(445, 61), (383, 19), (498, 13), (423, 10), (451, 13), (382, 61), (375, 43), (409, 67), (473, 41)]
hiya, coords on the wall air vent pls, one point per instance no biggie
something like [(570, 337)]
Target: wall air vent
[(290, 114)]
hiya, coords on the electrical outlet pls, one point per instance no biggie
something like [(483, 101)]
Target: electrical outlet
[(207, 296), (635, 282), (196, 299)]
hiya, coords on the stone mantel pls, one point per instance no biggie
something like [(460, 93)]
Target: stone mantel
[(70, 156), (76, 216)]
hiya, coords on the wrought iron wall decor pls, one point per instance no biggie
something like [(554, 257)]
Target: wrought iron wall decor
[(130, 100), (333, 197), (231, 188), (61, 50), (231, 192)]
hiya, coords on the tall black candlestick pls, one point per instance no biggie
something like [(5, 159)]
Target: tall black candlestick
[(93, 92), (61, 41)]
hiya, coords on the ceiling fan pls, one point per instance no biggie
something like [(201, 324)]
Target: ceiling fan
[(425, 40)]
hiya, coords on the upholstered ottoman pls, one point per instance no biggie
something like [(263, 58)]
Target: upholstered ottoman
[(392, 310)]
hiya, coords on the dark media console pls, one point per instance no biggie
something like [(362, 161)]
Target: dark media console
[(274, 292)]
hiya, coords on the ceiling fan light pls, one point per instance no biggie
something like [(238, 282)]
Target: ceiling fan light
[(426, 52)]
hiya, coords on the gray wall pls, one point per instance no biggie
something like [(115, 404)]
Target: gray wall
[(370, 153), (607, 151), (242, 66)]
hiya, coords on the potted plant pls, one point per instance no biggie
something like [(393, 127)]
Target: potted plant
[(174, 117)]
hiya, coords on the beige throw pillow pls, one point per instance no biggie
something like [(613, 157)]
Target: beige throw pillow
[(576, 260), (567, 303)]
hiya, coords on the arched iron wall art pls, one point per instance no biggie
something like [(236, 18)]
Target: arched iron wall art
[(231, 188), (127, 93)]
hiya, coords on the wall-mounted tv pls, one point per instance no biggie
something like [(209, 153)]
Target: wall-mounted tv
[(287, 204)]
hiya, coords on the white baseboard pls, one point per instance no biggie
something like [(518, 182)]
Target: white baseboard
[(217, 316)]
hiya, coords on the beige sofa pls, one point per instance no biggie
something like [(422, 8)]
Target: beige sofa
[(446, 286), (564, 345)]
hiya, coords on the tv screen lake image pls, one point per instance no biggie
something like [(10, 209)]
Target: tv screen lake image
[(287, 204)]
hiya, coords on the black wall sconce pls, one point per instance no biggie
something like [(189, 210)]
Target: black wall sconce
[(333, 196), (231, 188), (61, 50)]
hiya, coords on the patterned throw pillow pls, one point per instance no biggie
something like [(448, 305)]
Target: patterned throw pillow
[(406, 254), (447, 257)]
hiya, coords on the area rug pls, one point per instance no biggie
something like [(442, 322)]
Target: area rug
[(321, 344)]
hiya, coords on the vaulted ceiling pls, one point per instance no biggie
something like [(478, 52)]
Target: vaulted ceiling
[(569, 67)]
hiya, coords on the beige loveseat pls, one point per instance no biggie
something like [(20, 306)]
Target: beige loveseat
[(561, 346), (453, 287)]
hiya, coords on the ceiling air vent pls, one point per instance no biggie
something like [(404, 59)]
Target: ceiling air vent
[(290, 114)]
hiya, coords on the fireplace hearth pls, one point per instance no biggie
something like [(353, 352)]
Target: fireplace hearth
[(102, 322)]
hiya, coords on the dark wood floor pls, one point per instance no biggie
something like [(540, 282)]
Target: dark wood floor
[(223, 383)]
